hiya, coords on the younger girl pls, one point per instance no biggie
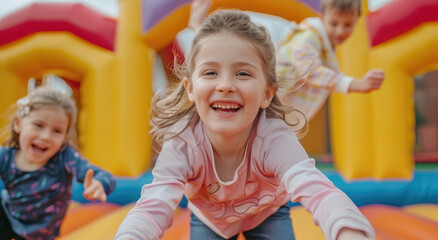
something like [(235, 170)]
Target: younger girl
[(37, 166), (225, 145)]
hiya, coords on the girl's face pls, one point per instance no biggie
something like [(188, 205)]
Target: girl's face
[(41, 134), (228, 85)]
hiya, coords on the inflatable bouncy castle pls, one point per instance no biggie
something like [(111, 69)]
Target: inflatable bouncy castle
[(113, 64)]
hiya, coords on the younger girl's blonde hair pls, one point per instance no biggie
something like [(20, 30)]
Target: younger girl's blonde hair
[(171, 105), (39, 98)]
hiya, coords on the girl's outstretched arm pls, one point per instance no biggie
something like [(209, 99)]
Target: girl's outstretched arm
[(153, 212), (332, 209)]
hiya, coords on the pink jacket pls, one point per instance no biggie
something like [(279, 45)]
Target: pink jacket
[(275, 170)]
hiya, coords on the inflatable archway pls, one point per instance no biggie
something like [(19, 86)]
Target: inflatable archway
[(80, 61)]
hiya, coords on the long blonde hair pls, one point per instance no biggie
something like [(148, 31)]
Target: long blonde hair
[(39, 98), (171, 105)]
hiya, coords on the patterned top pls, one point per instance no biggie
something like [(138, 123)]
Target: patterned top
[(308, 48), (36, 202), (274, 171)]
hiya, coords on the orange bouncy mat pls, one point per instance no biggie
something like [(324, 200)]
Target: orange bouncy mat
[(395, 223)]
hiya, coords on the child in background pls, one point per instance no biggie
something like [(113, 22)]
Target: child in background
[(37, 165), (225, 145), (311, 43), (315, 40)]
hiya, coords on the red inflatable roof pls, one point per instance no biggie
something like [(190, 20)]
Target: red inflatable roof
[(398, 17), (76, 18)]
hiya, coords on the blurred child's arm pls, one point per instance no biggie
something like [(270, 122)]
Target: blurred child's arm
[(198, 12), (327, 78), (305, 51), (372, 80), (93, 189)]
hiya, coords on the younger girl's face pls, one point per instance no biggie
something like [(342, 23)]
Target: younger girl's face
[(41, 134), (228, 84)]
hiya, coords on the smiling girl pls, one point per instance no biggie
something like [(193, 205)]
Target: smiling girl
[(225, 145), (37, 165)]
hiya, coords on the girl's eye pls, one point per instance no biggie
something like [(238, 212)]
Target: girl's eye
[(38, 125), (244, 74), (59, 131), (209, 73)]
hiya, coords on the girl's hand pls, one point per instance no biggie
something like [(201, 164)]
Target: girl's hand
[(372, 80), (348, 234), (93, 189)]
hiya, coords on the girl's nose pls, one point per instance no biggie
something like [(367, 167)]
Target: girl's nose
[(226, 85), (45, 134)]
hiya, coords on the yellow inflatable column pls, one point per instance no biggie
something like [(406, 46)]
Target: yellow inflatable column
[(401, 58), (350, 114), (393, 119), (134, 89), (12, 87), (97, 117)]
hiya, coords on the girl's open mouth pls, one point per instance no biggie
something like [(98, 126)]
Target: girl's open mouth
[(38, 149), (226, 107)]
